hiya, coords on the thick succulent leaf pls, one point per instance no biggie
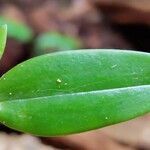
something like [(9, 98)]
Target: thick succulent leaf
[(74, 91), (3, 35)]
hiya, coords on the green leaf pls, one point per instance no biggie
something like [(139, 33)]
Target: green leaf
[(74, 91), (16, 30), (47, 42), (3, 35)]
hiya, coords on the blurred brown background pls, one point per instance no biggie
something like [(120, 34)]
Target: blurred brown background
[(121, 24)]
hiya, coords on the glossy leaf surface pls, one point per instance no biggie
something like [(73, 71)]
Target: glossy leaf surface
[(3, 35), (75, 91)]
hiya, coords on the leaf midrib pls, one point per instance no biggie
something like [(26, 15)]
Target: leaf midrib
[(81, 93)]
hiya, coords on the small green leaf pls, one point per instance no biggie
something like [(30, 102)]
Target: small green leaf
[(16, 30), (50, 41), (75, 91), (3, 35)]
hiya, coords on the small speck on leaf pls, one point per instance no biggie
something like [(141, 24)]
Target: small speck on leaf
[(58, 81), (113, 66)]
